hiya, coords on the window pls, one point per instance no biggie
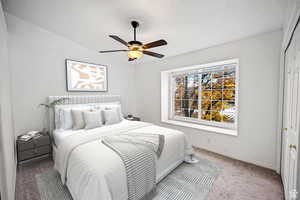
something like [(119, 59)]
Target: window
[(204, 94)]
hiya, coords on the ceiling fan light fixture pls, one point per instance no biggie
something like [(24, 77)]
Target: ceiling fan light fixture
[(137, 49), (135, 54)]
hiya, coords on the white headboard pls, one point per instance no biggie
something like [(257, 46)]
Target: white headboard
[(84, 99)]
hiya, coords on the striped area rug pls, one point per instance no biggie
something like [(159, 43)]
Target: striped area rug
[(186, 182)]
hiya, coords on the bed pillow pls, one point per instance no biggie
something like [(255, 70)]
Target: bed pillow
[(66, 121), (78, 119), (62, 118), (92, 119), (111, 116), (109, 105)]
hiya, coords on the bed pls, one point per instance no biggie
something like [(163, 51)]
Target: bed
[(92, 170)]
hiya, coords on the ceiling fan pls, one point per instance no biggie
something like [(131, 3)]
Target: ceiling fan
[(136, 49)]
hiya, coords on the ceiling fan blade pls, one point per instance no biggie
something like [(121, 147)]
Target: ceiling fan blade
[(150, 53), (119, 40), (109, 51), (155, 44), (131, 59)]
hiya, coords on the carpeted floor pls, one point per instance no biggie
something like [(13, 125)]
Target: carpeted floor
[(237, 181), (186, 182)]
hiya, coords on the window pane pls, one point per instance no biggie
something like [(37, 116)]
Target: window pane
[(185, 104), (193, 105), (229, 83), (217, 74), (178, 95), (217, 95), (179, 113), (228, 111), (193, 93), (217, 105), (194, 114), (228, 94), (228, 106), (206, 115), (206, 104), (190, 81), (206, 81), (229, 115), (216, 116), (229, 73), (177, 105), (217, 83), (206, 94)]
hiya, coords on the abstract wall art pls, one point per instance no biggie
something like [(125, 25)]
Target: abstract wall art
[(89, 77)]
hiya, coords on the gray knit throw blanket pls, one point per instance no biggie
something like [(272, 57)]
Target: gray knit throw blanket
[(139, 152)]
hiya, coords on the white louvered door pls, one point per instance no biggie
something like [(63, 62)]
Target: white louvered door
[(291, 118)]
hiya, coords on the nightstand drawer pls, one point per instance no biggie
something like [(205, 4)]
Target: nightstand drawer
[(24, 155), (33, 143)]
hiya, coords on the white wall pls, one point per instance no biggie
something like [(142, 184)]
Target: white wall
[(259, 58), (37, 58), (7, 153), (291, 18)]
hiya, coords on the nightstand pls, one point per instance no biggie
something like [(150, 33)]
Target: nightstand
[(133, 118), (34, 148)]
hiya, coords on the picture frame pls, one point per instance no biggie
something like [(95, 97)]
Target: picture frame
[(86, 77)]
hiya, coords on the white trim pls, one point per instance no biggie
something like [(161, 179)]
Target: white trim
[(165, 99), (202, 127), (225, 62), (204, 122)]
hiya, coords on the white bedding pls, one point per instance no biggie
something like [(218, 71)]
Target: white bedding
[(93, 171), (60, 134)]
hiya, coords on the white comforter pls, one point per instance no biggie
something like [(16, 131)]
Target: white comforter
[(92, 171)]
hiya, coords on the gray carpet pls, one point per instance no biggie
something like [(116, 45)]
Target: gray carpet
[(186, 182)]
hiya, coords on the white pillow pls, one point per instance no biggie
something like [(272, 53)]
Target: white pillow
[(105, 106), (66, 121), (111, 116), (78, 120), (63, 117), (93, 119)]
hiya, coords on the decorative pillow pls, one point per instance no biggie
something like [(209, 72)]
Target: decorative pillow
[(66, 121), (111, 116), (78, 120), (107, 106), (92, 119), (62, 118)]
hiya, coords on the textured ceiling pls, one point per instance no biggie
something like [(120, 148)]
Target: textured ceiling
[(187, 25)]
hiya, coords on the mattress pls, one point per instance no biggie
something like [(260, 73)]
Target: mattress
[(93, 171)]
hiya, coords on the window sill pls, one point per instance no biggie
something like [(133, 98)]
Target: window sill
[(202, 127)]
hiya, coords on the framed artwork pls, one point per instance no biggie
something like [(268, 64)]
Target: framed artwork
[(86, 77)]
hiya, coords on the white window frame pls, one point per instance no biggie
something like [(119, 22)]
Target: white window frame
[(167, 104)]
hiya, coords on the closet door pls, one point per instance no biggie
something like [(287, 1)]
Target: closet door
[(291, 117)]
